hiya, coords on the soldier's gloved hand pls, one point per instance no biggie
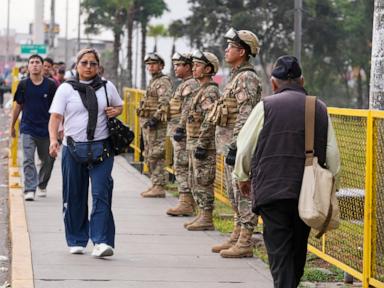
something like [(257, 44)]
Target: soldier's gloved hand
[(179, 134), (201, 153), (151, 123), (231, 157)]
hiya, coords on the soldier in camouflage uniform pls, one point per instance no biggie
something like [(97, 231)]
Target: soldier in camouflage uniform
[(182, 64), (241, 94), (153, 112), (200, 139)]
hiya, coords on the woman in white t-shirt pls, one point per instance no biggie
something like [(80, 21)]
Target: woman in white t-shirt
[(82, 103)]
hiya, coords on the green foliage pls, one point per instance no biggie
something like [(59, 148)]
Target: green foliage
[(336, 40)]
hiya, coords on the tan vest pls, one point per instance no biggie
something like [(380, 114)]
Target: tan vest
[(195, 118), (225, 112), (150, 103)]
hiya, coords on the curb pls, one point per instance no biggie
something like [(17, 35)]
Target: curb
[(21, 257)]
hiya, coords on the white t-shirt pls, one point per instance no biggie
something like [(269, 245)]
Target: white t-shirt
[(67, 102)]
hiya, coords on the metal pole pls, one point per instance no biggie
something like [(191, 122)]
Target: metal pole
[(52, 28), (66, 32), (7, 39), (78, 27), (298, 28)]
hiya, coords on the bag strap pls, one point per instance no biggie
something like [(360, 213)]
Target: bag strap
[(106, 94), (310, 104)]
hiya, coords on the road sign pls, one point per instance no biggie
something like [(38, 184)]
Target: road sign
[(33, 49)]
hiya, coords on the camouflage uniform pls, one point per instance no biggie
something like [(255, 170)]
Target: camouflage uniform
[(155, 104), (200, 133), (240, 95), (179, 103)]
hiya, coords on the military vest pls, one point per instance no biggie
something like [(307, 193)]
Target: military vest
[(150, 103), (225, 111), (176, 102), (195, 115)]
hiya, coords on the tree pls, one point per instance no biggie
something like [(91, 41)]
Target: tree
[(376, 96), (157, 31), (145, 10), (107, 14), (175, 30)]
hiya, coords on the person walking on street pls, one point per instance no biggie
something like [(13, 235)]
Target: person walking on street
[(271, 152), (181, 99), (153, 113), (241, 94), (34, 97), (87, 154), (201, 140)]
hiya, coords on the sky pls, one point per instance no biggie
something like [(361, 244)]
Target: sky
[(22, 13)]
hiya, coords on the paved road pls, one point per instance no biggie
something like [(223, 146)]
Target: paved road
[(152, 249)]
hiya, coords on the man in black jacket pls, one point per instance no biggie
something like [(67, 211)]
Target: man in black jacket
[(271, 152)]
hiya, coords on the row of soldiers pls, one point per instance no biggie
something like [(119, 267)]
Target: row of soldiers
[(202, 122)]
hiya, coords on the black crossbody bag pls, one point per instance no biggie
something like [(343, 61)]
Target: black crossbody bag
[(119, 134)]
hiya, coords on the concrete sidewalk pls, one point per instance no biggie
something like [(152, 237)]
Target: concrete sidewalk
[(152, 249)]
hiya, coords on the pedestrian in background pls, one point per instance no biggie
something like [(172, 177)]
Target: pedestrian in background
[(153, 113), (180, 101), (33, 97), (86, 155), (271, 152)]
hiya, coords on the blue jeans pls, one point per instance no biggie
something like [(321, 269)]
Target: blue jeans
[(32, 179), (100, 228)]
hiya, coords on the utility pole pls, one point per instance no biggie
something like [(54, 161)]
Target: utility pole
[(376, 93), (66, 32), (78, 27), (298, 28), (7, 39), (52, 27)]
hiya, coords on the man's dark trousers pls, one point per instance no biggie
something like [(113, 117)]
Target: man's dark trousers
[(286, 238)]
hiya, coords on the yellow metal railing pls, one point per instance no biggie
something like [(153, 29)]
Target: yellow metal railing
[(357, 247)]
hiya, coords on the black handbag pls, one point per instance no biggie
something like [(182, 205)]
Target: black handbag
[(120, 134)]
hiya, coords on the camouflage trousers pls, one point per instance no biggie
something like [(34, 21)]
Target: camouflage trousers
[(242, 206), (154, 153), (201, 177), (180, 165)]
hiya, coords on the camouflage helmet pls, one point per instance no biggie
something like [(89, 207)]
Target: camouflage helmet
[(153, 58), (182, 58), (206, 58), (245, 39)]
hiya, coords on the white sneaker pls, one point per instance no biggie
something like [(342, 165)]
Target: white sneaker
[(76, 250), (42, 192), (102, 250), (29, 196)]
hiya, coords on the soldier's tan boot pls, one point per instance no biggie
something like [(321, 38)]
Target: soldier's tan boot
[(243, 246), (186, 224), (185, 206), (230, 242), (205, 222), (146, 191), (156, 192)]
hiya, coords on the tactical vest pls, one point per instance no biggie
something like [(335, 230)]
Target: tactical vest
[(225, 114), (150, 103), (195, 118)]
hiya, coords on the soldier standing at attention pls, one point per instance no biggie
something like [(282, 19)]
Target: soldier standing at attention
[(152, 114), (241, 94), (182, 64), (200, 140)]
